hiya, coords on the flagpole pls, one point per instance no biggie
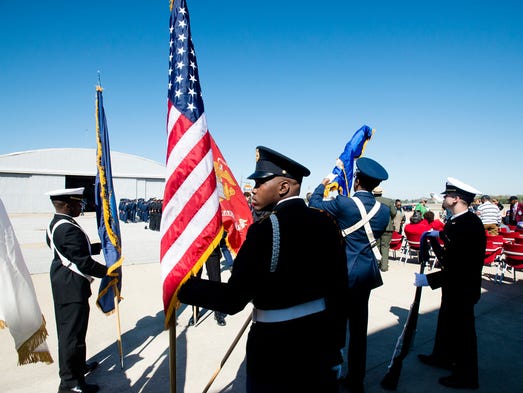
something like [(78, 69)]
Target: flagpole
[(229, 351), (118, 327), (195, 312), (172, 353)]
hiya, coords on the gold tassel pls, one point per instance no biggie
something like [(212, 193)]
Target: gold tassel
[(26, 353)]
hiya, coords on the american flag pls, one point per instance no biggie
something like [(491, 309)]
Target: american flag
[(191, 224)]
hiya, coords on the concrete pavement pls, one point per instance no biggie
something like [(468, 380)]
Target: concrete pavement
[(201, 348)]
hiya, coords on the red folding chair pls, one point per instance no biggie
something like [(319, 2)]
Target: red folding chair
[(508, 237), (411, 246), (396, 242), (493, 253), (513, 256)]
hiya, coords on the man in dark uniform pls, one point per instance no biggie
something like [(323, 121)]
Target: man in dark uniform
[(292, 268), (362, 220), (71, 272), (384, 241), (464, 239)]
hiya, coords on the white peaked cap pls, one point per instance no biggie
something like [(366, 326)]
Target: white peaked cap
[(66, 192), (451, 181)]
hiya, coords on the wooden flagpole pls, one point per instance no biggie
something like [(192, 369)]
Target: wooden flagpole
[(172, 353), (229, 351), (118, 327)]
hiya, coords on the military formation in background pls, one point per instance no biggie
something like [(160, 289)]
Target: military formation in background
[(140, 210)]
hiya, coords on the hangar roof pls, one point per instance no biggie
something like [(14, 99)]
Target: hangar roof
[(80, 162)]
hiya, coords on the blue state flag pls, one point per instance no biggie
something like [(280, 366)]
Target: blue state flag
[(345, 164), (107, 213)]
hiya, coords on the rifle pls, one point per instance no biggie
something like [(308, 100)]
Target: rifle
[(390, 380)]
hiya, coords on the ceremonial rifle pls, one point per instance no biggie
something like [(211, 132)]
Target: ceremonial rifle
[(390, 380)]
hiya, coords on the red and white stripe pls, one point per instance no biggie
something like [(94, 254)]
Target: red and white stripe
[(191, 216)]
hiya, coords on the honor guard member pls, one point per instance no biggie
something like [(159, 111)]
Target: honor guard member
[(362, 220), (292, 268), (71, 271), (461, 257)]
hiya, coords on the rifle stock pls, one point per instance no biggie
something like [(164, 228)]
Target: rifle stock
[(391, 379)]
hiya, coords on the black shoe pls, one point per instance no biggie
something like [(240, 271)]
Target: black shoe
[(433, 361), (90, 367), (191, 321), (220, 319), (456, 382), (84, 388)]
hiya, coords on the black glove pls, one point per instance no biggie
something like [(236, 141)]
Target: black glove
[(96, 248)]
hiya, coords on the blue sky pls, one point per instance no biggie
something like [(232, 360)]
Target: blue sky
[(441, 82)]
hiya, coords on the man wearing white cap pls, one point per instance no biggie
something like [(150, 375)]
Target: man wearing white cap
[(455, 344), (71, 272)]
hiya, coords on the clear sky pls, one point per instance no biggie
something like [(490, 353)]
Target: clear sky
[(441, 82)]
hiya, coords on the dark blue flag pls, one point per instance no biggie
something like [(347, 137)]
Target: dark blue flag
[(107, 213), (345, 164)]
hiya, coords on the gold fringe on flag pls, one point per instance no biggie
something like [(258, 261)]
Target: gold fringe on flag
[(26, 351)]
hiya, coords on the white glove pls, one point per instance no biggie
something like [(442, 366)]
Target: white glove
[(339, 163), (331, 177), (420, 280)]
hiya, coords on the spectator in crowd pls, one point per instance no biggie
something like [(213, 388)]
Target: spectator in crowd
[(433, 222), (421, 207), (490, 215), (498, 204), (514, 212), (473, 207), (416, 226), (399, 218)]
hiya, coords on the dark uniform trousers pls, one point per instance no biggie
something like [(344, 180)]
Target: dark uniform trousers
[(288, 372), (358, 316), (456, 338), (212, 265), (71, 323)]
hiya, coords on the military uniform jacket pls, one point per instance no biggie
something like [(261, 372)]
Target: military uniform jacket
[(72, 242), (463, 255), (311, 265), (392, 208), (362, 265)]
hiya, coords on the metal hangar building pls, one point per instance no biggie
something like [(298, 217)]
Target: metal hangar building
[(26, 176)]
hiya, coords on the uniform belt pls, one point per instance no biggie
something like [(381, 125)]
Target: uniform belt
[(287, 314)]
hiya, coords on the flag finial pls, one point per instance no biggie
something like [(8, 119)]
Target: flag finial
[(99, 86)]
